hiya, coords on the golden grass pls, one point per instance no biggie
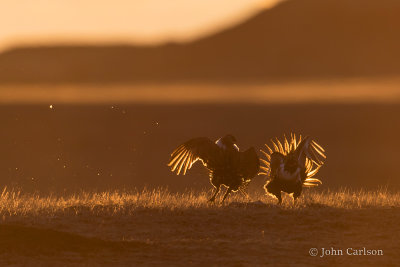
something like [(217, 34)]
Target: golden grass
[(14, 204), (159, 227)]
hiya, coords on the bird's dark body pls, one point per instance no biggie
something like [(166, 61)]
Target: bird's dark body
[(226, 175), (226, 164), (276, 186)]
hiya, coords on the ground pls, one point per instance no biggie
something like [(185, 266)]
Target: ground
[(157, 227)]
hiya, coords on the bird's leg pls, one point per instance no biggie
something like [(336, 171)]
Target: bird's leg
[(279, 197), (217, 188), (296, 196), (226, 194), (244, 193), (297, 193), (243, 189)]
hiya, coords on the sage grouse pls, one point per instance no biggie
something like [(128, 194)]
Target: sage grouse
[(226, 164), (291, 165)]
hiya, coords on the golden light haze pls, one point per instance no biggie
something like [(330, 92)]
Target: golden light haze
[(348, 91), (121, 21)]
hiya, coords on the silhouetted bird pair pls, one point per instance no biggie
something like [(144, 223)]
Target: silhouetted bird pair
[(290, 165)]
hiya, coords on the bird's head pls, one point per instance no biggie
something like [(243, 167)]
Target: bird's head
[(228, 139), (227, 142)]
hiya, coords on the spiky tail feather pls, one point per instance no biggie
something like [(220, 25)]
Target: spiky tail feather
[(288, 146)]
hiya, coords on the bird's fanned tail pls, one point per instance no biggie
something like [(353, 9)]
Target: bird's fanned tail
[(308, 151)]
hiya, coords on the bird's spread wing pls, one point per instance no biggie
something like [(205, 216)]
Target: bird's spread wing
[(308, 148), (195, 149), (249, 163)]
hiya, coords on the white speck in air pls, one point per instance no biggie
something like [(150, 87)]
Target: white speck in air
[(51, 106)]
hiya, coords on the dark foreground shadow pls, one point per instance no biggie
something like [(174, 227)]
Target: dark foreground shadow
[(33, 241)]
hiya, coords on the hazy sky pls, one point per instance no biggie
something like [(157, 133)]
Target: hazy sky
[(143, 21)]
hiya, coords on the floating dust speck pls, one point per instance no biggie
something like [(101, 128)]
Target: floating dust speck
[(51, 106)]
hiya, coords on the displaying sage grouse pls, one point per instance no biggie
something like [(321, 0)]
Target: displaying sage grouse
[(291, 165), (226, 164)]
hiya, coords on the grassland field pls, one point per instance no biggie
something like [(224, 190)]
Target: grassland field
[(158, 227)]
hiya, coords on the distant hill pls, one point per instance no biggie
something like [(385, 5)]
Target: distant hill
[(297, 39)]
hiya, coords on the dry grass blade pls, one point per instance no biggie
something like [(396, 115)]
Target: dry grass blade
[(13, 204)]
